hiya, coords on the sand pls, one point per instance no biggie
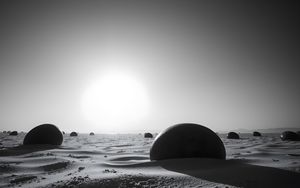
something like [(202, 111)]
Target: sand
[(123, 161)]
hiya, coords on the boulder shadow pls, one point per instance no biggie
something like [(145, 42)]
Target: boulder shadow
[(25, 149), (233, 172)]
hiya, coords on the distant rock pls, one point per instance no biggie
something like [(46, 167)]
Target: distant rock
[(289, 135), (255, 133), (148, 135), (187, 140), (13, 133), (92, 134), (4, 131), (73, 134), (63, 132), (233, 135), (44, 134)]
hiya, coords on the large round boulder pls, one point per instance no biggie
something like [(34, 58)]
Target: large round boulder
[(44, 134), (233, 135), (148, 135), (187, 140), (289, 135), (255, 133), (73, 134), (13, 133), (92, 134)]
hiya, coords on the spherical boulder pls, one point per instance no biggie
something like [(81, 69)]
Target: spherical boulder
[(148, 135), (187, 140), (255, 133), (73, 134), (13, 133), (289, 135), (44, 134), (233, 135), (92, 134)]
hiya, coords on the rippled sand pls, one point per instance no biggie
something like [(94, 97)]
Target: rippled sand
[(123, 161)]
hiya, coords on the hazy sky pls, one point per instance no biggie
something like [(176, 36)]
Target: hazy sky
[(225, 65)]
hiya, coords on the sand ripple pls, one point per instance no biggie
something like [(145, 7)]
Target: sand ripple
[(123, 161)]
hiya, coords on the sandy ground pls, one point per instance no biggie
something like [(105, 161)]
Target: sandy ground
[(123, 161)]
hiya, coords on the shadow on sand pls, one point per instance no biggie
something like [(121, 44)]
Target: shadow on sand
[(233, 172), (25, 149)]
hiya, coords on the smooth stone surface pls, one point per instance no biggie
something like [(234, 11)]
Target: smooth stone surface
[(13, 133), (289, 135), (255, 133), (187, 140), (44, 134), (148, 135), (233, 135), (92, 134), (73, 134)]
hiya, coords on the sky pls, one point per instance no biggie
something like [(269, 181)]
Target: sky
[(224, 65)]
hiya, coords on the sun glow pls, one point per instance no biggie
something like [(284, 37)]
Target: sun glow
[(114, 100)]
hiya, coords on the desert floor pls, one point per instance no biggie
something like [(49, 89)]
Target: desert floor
[(123, 161)]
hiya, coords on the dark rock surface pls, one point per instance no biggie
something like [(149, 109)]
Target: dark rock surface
[(148, 135), (13, 133), (73, 134), (255, 133), (233, 135), (44, 134), (187, 140), (289, 135)]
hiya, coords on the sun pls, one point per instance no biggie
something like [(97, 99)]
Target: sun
[(115, 99)]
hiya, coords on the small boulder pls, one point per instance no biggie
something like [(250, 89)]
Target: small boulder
[(187, 140), (233, 135), (255, 133), (289, 135), (92, 134), (148, 135), (44, 134), (73, 134), (13, 133), (63, 132)]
